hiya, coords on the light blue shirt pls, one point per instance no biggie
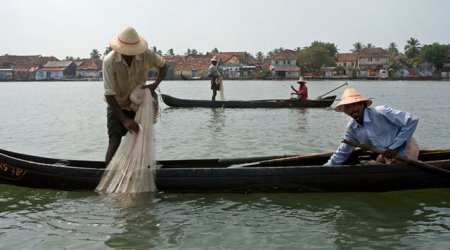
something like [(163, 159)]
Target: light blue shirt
[(383, 127)]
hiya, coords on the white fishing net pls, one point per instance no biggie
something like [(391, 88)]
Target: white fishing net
[(219, 81), (133, 166)]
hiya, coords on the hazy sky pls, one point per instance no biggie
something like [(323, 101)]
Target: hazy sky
[(73, 28)]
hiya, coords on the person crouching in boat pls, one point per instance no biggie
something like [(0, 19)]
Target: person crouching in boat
[(382, 127), (302, 91), (214, 74)]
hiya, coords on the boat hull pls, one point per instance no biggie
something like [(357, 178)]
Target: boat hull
[(214, 175), (272, 103)]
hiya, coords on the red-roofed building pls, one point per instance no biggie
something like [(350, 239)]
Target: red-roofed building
[(57, 70), (284, 65), (22, 68), (236, 65), (187, 67), (89, 69), (373, 62), (348, 62)]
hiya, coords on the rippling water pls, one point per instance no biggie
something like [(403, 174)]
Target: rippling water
[(67, 120)]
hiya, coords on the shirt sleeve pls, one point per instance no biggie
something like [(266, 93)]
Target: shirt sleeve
[(109, 82), (155, 60), (405, 120), (344, 150)]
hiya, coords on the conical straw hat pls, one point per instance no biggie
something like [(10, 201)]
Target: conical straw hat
[(350, 96)]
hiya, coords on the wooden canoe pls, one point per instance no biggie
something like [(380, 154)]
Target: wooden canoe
[(305, 174), (269, 103)]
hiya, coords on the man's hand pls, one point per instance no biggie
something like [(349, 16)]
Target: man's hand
[(131, 125), (390, 153)]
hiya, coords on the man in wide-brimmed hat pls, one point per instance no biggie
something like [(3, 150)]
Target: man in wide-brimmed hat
[(302, 91), (214, 74), (381, 127), (125, 67)]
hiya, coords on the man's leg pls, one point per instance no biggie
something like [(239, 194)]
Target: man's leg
[(214, 94), (114, 143), (115, 132)]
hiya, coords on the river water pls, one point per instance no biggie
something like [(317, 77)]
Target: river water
[(67, 120)]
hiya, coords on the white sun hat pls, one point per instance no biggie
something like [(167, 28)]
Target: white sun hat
[(128, 43)]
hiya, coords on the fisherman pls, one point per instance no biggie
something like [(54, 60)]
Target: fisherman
[(125, 67), (302, 91), (216, 77), (381, 127)]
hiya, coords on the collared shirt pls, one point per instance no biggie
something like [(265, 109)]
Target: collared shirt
[(120, 79), (383, 127), (213, 71)]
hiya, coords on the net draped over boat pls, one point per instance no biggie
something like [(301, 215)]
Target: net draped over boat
[(132, 168)]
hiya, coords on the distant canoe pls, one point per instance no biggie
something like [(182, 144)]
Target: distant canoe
[(269, 103)]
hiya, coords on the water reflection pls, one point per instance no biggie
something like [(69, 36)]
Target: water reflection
[(217, 121), (138, 224)]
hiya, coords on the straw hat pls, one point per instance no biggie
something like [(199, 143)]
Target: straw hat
[(214, 59), (350, 96), (301, 80), (128, 43)]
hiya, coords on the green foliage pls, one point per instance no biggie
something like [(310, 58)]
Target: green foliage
[(263, 74), (357, 47), (316, 56), (95, 54), (170, 52), (259, 56), (192, 52), (154, 49), (393, 51), (271, 54), (412, 48), (436, 53)]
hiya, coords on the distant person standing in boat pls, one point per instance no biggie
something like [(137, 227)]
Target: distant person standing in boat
[(125, 67), (381, 127), (302, 91), (216, 77)]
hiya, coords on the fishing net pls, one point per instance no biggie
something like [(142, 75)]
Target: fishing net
[(219, 80), (132, 168)]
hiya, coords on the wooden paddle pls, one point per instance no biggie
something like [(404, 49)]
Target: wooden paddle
[(281, 160), (401, 158), (320, 96)]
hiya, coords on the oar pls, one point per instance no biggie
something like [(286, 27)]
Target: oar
[(320, 96), (281, 160), (401, 158)]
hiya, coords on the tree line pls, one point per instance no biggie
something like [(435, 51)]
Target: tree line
[(324, 54)]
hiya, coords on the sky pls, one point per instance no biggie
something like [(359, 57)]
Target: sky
[(63, 28)]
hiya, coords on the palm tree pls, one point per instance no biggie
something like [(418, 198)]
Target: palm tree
[(393, 51), (95, 54), (170, 52), (357, 47), (412, 47), (259, 56), (370, 45)]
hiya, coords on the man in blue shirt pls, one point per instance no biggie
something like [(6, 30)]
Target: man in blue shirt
[(382, 127)]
